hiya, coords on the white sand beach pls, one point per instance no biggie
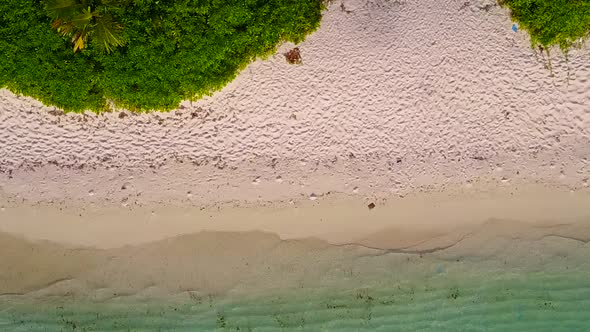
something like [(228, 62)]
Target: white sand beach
[(435, 112)]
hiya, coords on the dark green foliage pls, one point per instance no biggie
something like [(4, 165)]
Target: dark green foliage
[(82, 19), (552, 22), (175, 50)]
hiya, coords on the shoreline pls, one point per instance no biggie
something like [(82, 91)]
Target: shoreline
[(306, 286), (239, 252), (161, 251)]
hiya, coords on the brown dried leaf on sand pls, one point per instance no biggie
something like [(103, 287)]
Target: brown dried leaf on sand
[(293, 56)]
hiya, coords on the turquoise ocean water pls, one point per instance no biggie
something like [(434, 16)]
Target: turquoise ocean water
[(502, 285), (536, 302)]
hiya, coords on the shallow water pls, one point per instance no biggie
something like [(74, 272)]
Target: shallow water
[(497, 303), (506, 285)]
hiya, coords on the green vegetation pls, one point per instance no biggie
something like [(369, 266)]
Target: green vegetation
[(141, 54), (80, 19), (552, 22)]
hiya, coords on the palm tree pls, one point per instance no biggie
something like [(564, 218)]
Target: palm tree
[(84, 19)]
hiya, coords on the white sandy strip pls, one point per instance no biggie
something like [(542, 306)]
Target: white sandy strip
[(412, 222), (393, 97)]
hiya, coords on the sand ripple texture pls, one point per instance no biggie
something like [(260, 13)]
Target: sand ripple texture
[(390, 94)]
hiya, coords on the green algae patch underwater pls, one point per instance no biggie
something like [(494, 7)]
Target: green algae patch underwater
[(170, 50), (491, 302)]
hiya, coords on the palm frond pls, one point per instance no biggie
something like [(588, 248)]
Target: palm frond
[(81, 19), (62, 8), (108, 33), (80, 38), (65, 29)]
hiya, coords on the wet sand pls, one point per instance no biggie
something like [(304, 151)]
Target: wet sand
[(67, 249)]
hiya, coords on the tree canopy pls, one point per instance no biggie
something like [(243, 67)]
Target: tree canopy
[(141, 54)]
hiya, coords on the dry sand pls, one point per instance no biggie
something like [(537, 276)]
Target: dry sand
[(434, 111)]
